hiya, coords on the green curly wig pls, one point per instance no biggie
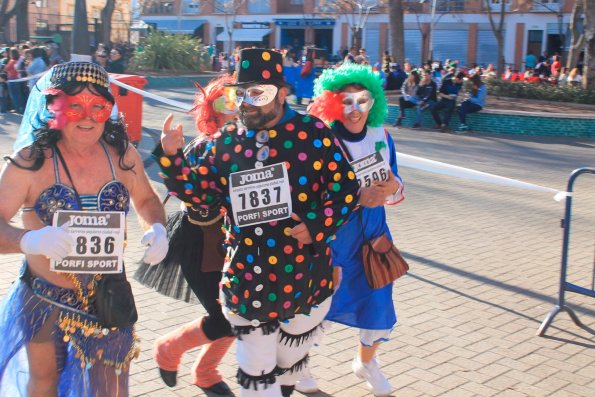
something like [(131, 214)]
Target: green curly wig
[(350, 73)]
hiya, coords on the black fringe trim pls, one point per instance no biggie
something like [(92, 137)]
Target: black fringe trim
[(298, 339), (295, 367), (267, 329), (247, 381)]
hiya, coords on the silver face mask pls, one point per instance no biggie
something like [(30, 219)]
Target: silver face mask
[(256, 95), (361, 101)]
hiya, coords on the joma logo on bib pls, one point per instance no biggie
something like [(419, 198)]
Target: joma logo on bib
[(81, 220), (255, 177)]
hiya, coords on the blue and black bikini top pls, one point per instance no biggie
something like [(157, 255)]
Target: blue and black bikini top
[(113, 196)]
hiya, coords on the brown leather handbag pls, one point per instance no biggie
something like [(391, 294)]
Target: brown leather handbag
[(383, 262)]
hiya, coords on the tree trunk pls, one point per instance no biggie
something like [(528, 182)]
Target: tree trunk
[(80, 30), (497, 29), (22, 14), (576, 38), (589, 66), (397, 30), (106, 21), (5, 17)]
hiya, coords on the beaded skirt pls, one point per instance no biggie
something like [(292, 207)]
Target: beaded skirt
[(91, 360)]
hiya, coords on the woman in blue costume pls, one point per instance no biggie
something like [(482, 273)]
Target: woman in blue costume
[(70, 155), (352, 101)]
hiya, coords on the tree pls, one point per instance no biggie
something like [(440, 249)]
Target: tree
[(577, 37), (355, 12), (106, 20), (22, 17), (80, 30), (498, 30), (397, 30), (229, 9), (589, 64), (5, 16)]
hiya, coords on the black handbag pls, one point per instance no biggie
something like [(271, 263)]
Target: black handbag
[(115, 302)]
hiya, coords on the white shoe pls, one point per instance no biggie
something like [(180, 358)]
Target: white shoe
[(370, 372), (307, 385)]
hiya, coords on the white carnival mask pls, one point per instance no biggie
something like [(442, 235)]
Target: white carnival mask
[(256, 95), (361, 101)]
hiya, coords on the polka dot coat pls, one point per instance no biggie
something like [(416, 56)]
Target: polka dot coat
[(270, 275)]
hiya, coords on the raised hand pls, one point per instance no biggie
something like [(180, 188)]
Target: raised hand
[(172, 139)]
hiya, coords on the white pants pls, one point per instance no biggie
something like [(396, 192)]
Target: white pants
[(278, 358)]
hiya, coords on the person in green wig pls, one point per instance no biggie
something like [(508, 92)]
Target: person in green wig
[(351, 100)]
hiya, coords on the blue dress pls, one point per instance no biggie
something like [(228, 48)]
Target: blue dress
[(355, 303), (33, 306)]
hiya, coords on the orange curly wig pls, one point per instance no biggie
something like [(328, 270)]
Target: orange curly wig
[(204, 115)]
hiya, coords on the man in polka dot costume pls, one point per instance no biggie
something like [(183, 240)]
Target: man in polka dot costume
[(287, 188)]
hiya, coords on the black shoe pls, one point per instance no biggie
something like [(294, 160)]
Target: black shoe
[(416, 125), (169, 377), (287, 390), (398, 121), (220, 388)]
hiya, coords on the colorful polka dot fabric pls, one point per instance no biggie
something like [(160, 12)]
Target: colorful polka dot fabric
[(271, 276)]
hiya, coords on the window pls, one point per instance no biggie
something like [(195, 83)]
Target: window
[(191, 7), (259, 7), (546, 6), (450, 5)]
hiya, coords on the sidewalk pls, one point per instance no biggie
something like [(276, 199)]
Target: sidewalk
[(484, 274)]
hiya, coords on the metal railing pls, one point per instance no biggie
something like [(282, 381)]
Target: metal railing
[(564, 284)]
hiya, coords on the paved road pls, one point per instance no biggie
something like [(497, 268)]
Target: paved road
[(484, 274)]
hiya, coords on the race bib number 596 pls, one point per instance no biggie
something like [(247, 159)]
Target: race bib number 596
[(260, 195), (99, 241), (370, 168)]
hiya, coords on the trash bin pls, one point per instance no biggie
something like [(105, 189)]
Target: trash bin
[(130, 104)]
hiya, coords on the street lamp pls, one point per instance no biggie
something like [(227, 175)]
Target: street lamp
[(432, 16)]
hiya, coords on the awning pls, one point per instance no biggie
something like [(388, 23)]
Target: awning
[(305, 22), (176, 26), (244, 35)]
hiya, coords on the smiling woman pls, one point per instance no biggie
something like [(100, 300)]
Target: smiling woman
[(56, 322)]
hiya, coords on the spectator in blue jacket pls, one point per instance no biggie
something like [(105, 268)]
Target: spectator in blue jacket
[(447, 99), (474, 103)]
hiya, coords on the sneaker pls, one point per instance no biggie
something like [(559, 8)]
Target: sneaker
[(307, 385), (443, 127), (398, 122), (370, 372), (463, 128), (436, 126), (416, 125)]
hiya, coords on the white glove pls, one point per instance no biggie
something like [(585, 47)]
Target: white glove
[(51, 241), (156, 239)]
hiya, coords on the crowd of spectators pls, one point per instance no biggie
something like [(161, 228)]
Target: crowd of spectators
[(22, 64)]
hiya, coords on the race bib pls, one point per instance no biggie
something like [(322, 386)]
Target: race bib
[(370, 168), (260, 195), (99, 241)]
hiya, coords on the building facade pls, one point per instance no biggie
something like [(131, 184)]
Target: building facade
[(52, 19), (461, 28)]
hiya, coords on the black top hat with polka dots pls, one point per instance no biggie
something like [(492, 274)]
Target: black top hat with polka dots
[(259, 66)]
